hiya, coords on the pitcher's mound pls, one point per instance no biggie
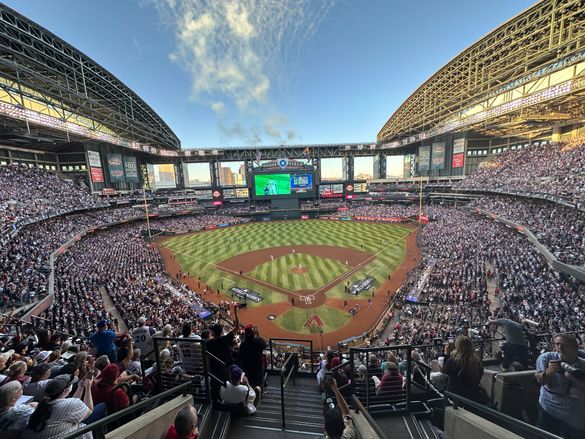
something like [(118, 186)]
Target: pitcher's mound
[(298, 270)]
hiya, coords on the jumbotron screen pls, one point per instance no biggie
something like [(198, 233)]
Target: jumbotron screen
[(267, 185)]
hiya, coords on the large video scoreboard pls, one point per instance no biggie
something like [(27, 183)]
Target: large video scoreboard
[(292, 184)]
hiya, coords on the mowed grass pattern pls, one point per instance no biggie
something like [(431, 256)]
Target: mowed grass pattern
[(294, 320), (320, 271), (197, 252)]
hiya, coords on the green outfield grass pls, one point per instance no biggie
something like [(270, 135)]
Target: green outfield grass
[(320, 271), (295, 319), (197, 252)]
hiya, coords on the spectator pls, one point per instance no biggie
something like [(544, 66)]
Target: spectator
[(103, 341), (562, 395), (104, 390), (338, 422), (515, 348), (238, 391), (465, 370), (13, 416), (251, 358), (185, 425), (57, 415), (40, 376)]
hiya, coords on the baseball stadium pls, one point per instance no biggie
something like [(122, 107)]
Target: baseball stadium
[(155, 290)]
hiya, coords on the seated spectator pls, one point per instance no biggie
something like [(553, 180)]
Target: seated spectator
[(338, 422), (465, 370), (16, 372), (391, 383), (185, 425), (104, 390), (13, 416), (40, 375), (56, 415), (238, 390)]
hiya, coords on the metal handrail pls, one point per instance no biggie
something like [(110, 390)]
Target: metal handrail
[(283, 383), (185, 388), (359, 408), (270, 340), (532, 430)]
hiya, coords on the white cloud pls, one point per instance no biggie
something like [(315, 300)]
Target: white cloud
[(218, 107), (237, 51)]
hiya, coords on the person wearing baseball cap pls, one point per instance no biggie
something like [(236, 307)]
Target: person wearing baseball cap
[(103, 390), (103, 341), (238, 390), (57, 415)]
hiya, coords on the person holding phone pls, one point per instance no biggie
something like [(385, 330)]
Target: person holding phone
[(562, 394), (238, 390)]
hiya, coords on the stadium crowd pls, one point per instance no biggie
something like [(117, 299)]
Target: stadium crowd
[(560, 229), (27, 193), (467, 250), (556, 169)]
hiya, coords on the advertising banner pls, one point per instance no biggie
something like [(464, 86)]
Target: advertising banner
[(438, 155), (116, 167), (94, 160), (424, 156), (458, 160), (458, 146), (131, 169), (97, 176)]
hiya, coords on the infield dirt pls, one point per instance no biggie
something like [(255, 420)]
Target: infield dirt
[(372, 306)]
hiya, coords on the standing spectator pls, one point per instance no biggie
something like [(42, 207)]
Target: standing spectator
[(142, 336), (562, 395), (515, 348), (103, 341), (220, 347), (465, 370), (251, 357)]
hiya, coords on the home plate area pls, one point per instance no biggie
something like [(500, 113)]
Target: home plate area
[(308, 299)]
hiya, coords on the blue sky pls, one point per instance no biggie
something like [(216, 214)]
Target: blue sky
[(262, 72)]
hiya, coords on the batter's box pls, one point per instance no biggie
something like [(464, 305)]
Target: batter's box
[(307, 299)]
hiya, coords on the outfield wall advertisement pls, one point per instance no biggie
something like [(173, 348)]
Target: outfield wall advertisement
[(116, 168), (438, 156), (424, 156), (458, 159), (131, 169)]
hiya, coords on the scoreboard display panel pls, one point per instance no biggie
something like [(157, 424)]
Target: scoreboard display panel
[(283, 184)]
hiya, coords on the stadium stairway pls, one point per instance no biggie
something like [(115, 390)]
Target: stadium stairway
[(303, 413)]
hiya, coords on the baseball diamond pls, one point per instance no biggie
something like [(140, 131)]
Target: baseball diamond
[(300, 268)]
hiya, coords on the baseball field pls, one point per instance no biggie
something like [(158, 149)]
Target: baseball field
[(295, 276)]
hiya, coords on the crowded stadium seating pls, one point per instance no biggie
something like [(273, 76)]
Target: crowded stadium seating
[(553, 169), (472, 269)]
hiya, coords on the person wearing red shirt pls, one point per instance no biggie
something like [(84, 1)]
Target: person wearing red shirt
[(185, 425), (103, 390)]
